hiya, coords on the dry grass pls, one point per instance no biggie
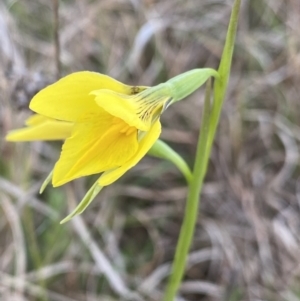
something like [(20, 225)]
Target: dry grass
[(247, 243)]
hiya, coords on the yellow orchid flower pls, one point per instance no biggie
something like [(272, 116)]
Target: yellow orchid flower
[(101, 136), (108, 126)]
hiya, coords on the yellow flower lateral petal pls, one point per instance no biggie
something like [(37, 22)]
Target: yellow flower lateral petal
[(145, 144), (99, 142), (138, 110), (41, 128), (36, 119), (120, 106), (69, 98)]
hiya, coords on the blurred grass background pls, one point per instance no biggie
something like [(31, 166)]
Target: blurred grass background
[(247, 242)]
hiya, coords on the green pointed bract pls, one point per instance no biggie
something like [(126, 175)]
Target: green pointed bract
[(85, 202), (162, 150), (46, 182)]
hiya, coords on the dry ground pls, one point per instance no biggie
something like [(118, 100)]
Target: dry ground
[(247, 242)]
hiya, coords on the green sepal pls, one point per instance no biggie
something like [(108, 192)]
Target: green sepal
[(85, 202), (162, 150)]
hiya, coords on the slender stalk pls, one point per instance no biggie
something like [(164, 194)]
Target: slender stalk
[(208, 129), (162, 150), (191, 211)]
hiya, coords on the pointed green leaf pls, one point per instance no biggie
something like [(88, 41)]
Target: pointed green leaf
[(220, 85)]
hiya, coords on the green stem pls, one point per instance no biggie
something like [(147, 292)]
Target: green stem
[(162, 150), (208, 129), (191, 211)]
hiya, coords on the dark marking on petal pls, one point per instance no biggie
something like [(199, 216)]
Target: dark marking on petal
[(135, 90)]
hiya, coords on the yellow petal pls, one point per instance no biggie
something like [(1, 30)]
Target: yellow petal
[(120, 106), (41, 128), (36, 119), (144, 145), (138, 110), (99, 142), (69, 98)]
